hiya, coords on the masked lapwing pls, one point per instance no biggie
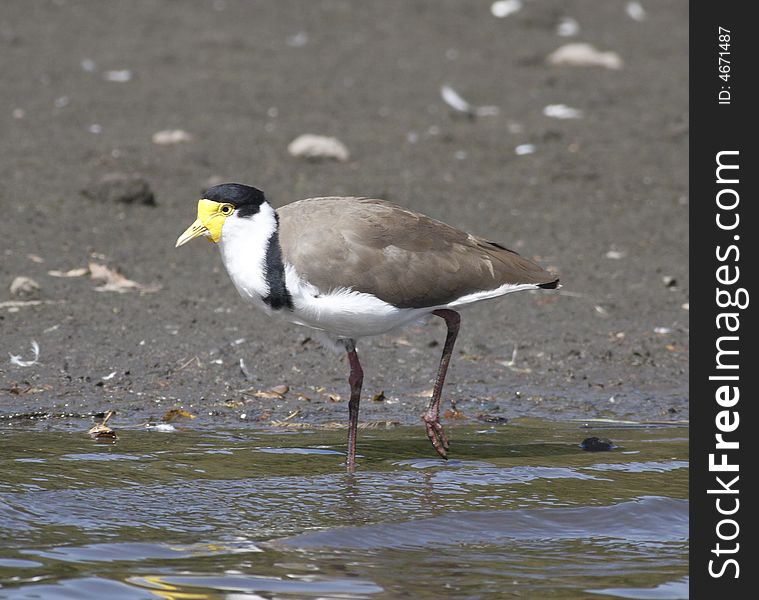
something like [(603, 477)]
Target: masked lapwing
[(356, 267)]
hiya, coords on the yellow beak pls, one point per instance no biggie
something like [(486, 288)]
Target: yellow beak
[(209, 223)]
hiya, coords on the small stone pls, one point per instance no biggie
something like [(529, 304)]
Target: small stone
[(635, 11), (567, 27), (594, 444), (504, 8), (167, 137), (580, 54), (25, 288), (121, 76), (562, 111), (317, 147), (523, 149), (121, 187)]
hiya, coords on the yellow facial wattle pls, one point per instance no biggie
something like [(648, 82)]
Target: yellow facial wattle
[(211, 217)]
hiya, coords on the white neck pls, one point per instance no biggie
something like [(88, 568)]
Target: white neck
[(243, 245)]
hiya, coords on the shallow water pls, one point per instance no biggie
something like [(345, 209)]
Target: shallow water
[(520, 510)]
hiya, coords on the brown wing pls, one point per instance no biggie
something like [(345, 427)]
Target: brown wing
[(400, 256)]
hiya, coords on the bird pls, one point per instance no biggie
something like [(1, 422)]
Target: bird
[(353, 267)]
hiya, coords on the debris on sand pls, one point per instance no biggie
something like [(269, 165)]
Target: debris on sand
[(635, 11), (453, 99), (121, 76), (493, 419), (562, 111), (318, 147), (25, 288), (13, 306), (594, 444), (101, 431), (78, 272), (293, 414), (567, 27), (503, 8), (523, 149), (276, 393), (334, 425), (120, 187), (581, 54), (167, 137), (20, 362), (454, 413), (176, 413), (113, 281), (244, 369), (163, 427)]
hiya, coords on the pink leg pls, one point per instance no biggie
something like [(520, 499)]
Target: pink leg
[(431, 417), (355, 379)]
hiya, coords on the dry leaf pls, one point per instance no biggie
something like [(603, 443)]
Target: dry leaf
[(176, 413), (115, 281), (290, 424), (379, 397), (335, 398), (454, 414), (293, 414), (281, 389), (101, 431)]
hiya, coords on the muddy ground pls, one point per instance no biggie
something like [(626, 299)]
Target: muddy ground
[(602, 199)]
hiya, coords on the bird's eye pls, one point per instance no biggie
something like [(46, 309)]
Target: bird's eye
[(227, 209)]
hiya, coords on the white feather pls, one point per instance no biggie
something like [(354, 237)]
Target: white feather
[(243, 246)]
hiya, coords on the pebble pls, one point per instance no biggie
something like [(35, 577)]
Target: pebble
[(562, 111), (580, 54), (25, 288), (171, 136), (504, 8), (635, 11), (317, 147), (523, 149), (121, 187), (567, 27), (118, 76)]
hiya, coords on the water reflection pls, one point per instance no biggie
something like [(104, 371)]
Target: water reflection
[(251, 513)]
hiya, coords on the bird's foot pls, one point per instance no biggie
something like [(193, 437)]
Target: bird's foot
[(436, 433)]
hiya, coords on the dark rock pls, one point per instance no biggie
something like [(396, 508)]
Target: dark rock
[(594, 444), (121, 187), (495, 420)]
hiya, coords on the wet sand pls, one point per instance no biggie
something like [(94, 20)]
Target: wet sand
[(602, 199)]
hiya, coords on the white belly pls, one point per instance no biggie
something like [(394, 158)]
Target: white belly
[(342, 312)]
